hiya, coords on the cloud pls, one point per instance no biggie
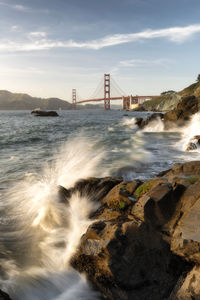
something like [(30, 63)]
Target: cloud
[(173, 34), (14, 6), (38, 34), (140, 63), (15, 28), (143, 63), (22, 8)]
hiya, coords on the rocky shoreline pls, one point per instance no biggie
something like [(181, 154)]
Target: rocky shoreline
[(144, 242), (179, 116)]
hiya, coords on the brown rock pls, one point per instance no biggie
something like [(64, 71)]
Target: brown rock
[(186, 170), (186, 107), (121, 195), (189, 287), (186, 238)]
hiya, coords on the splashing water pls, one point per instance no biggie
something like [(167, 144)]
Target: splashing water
[(154, 126), (189, 132), (40, 233), (130, 122)]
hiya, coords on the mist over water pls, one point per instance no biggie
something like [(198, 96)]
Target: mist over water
[(39, 233)]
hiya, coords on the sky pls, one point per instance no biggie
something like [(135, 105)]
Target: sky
[(48, 47)]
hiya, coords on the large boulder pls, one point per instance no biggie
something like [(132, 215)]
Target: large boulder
[(42, 113)]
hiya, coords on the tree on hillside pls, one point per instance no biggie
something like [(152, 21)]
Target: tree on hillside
[(198, 77), (168, 92)]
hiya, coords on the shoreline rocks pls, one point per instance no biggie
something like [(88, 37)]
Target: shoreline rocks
[(177, 117), (145, 242), (194, 143)]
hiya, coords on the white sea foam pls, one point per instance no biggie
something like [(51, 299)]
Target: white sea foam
[(189, 132), (46, 231), (130, 122), (154, 126)]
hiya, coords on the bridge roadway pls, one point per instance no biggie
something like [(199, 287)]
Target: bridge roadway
[(135, 99), (99, 99)]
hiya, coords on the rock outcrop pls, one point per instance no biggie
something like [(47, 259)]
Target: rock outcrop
[(42, 113), (144, 242), (169, 101), (179, 116), (162, 103), (144, 122), (186, 107)]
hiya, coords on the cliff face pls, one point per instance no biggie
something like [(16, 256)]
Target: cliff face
[(163, 103), (170, 101)]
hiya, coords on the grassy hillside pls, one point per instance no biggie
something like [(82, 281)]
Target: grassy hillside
[(17, 101), (192, 90)]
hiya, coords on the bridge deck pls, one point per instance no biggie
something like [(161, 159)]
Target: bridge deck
[(115, 98)]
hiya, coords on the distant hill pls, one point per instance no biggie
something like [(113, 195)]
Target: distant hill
[(170, 101), (17, 101)]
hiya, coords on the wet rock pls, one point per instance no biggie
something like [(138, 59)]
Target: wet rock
[(121, 195), (194, 143), (63, 194), (153, 117), (95, 188), (4, 296), (138, 121), (41, 113)]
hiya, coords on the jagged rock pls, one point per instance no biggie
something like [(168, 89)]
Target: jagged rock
[(142, 122), (147, 248), (186, 238), (94, 188), (188, 288), (126, 259), (194, 143)]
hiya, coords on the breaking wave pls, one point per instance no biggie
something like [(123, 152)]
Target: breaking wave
[(40, 233)]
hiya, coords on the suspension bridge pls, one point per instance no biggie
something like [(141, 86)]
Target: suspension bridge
[(108, 90)]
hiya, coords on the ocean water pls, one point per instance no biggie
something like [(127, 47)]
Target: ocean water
[(38, 233)]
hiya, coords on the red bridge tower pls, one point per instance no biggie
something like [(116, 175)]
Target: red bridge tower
[(73, 98), (106, 91)]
